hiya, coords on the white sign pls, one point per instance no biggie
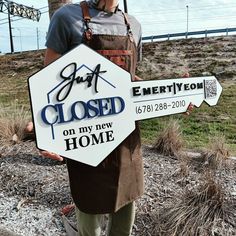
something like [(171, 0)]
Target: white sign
[(84, 105)]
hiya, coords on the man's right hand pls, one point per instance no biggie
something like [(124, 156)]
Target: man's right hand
[(30, 128), (51, 155)]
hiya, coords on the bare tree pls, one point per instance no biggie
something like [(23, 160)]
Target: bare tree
[(55, 4)]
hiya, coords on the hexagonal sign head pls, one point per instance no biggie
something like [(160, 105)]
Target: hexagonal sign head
[(81, 109)]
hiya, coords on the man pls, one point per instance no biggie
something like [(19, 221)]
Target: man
[(112, 186)]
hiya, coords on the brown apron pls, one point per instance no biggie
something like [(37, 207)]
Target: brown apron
[(118, 180)]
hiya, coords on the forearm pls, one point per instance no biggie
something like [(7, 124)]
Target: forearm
[(50, 56)]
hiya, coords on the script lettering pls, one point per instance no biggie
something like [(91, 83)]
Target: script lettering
[(72, 78)]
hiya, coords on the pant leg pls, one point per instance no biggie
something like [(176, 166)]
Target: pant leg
[(88, 224), (121, 222)]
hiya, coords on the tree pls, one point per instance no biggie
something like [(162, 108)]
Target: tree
[(53, 5)]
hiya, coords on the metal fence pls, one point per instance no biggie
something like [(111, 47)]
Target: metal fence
[(186, 34)]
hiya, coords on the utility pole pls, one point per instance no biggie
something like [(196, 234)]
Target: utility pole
[(19, 10), (37, 32), (10, 31), (20, 40), (125, 6), (187, 23)]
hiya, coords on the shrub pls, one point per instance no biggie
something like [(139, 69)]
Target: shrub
[(203, 210), (170, 140), (13, 121), (216, 156)]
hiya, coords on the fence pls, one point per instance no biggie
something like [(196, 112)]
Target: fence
[(186, 34)]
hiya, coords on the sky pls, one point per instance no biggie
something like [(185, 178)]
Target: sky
[(157, 17)]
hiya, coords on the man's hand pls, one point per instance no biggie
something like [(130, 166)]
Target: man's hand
[(51, 155), (30, 128), (136, 78), (189, 109), (191, 105)]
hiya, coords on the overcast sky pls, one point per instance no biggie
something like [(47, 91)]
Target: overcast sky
[(156, 16)]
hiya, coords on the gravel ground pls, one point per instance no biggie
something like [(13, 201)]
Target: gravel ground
[(33, 190)]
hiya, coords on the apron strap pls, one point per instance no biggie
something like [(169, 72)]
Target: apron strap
[(86, 16), (129, 30)]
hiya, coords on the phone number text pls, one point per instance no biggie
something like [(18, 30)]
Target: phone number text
[(159, 106)]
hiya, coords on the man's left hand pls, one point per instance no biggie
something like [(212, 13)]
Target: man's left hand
[(191, 105)]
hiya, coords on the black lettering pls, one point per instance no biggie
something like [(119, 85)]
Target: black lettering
[(174, 84), (199, 85), (98, 127), (109, 125), (136, 91), (179, 85), (186, 87), (71, 144), (97, 139), (169, 87), (72, 78), (86, 141), (193, 86), (83, 129), (162, 89), (68, 132), (109, 135), (155, 90), (146, 91), (95, 74)]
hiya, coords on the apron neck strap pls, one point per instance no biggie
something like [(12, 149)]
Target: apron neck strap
[(129, 30), (87, 18)]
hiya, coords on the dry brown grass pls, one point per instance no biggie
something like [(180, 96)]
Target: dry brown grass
[(202, 211), (216, 157), (205, 208), (170, 141), (13, 121), (184, 164)]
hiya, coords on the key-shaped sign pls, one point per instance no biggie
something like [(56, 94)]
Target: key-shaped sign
[(84, 105)]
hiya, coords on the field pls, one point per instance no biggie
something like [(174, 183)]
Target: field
[(169, 59)]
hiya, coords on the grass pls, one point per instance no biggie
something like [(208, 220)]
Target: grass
[(197, 129), (170, 141), (14, 89), (202, 208), (201, 211), (13, 120), (217, 155), (203, 123)]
